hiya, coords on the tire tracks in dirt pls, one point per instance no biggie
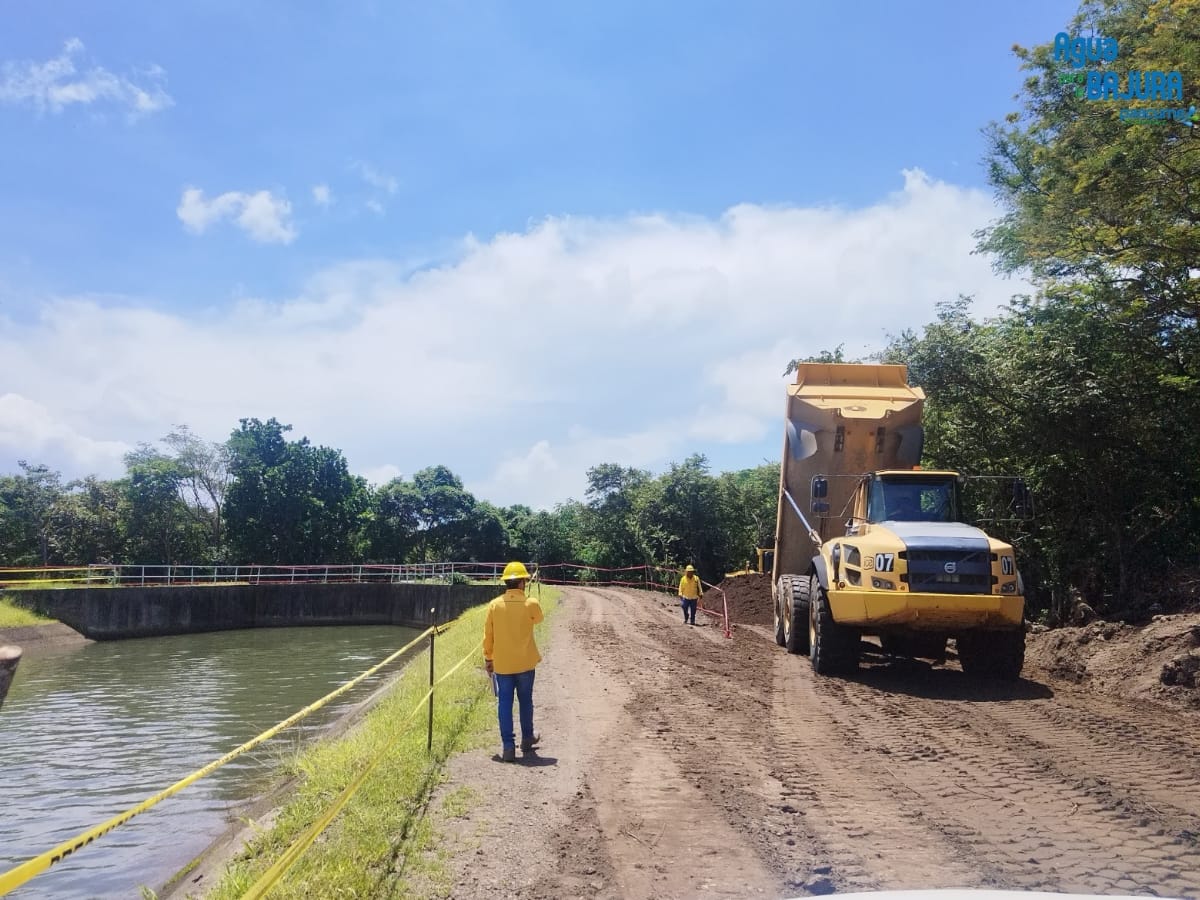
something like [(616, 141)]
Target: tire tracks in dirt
[(909, 777), (673, 834), (715, 767), (1028, 813)]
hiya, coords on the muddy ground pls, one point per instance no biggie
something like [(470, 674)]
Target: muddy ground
[(679, 763)]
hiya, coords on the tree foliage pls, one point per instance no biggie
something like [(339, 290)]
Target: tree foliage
[(1091, 388), (1093, 199), (290, 502), (27, 507), (1079, 406)]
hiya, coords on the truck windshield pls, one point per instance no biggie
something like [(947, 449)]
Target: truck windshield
[(909, 499)]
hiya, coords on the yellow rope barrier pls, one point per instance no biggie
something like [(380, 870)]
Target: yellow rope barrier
[(274, 875), (16, 877)]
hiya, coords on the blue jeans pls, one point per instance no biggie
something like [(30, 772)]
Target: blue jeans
[(689, 606), (506, 685)]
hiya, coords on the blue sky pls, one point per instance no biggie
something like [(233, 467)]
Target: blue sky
[(514, 238)]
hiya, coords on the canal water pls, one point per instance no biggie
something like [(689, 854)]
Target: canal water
[(93, 730)]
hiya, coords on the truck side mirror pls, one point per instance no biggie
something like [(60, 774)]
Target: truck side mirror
[(820, 488)]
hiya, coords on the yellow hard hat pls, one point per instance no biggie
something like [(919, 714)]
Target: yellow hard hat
[(515, 571), (690, 569)]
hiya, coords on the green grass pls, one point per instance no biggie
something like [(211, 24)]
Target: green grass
[(13, 616), (383, 841)]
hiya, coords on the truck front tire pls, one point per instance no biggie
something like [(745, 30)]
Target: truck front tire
[(834, 648)]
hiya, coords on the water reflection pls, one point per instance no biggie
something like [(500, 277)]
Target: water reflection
[(88, 732)]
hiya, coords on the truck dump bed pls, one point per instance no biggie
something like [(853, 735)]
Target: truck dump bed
[(841, 420)]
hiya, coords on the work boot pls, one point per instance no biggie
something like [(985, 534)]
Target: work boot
[(527, 745), (509, 754)]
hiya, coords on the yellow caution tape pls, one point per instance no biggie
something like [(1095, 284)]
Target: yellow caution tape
[(273, 875), (16, 877)]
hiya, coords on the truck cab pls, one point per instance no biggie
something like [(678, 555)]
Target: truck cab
[(910, 497), (907, 531)]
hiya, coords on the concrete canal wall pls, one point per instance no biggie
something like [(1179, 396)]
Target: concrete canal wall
[(114, 613)]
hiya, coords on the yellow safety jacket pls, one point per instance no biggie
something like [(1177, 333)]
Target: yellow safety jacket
[(508, 633), (689, 587)]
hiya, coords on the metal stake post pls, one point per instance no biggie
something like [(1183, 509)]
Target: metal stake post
[(432, 635)]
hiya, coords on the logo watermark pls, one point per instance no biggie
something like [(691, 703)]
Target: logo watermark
[(1096, 84)]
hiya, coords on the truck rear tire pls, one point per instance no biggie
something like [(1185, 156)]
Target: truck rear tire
[(780, 630), (798, 640), (792, 609), (834, 648), (992, 654)]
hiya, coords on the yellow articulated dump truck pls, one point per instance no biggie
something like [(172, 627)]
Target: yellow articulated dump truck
[(884, 548)]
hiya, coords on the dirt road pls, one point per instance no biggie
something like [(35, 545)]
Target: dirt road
[(678, 763)]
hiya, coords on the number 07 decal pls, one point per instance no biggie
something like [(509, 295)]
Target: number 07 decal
[(1006, 565), (884, 562)]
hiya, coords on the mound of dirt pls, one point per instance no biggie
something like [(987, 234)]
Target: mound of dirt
[(1159, 661), (749, 599)]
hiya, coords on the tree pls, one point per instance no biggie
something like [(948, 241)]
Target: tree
[(516, 522), (444, 516), (837, 355), (393, 522), (680, 518), (433, 517), (1092, 198), (553, 537), (748, 503), (203, 480), (290, 502), (608, 538), (89, 522), (485, 536), (158, 525), (1073, 401), (27, 505), (1094, 384)]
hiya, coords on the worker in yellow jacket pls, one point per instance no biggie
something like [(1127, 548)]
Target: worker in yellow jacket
[(510, 654), (690, 593)]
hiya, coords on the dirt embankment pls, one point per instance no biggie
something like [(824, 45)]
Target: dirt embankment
[(1159, 661)]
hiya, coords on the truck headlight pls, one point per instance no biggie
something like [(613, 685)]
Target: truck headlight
[(1010, 588), (882, 584)]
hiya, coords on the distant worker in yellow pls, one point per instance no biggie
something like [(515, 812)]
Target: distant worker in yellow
[(690, 593), (510, 653)]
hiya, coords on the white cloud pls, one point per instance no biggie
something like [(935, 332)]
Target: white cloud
[(380, 475), (60, 82), (31, 431), (263, 216), (547, 473), (377, 179), (322, 195), (529, 357), (381, 184)]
